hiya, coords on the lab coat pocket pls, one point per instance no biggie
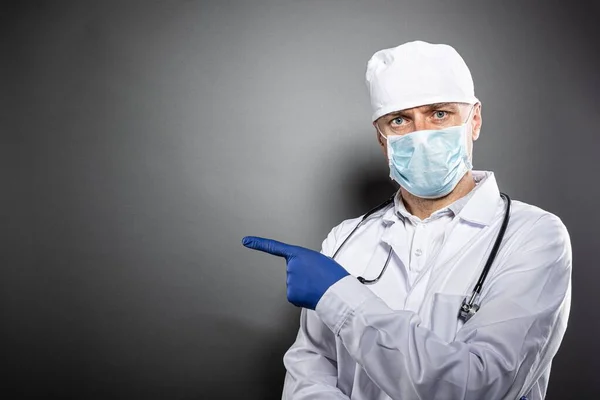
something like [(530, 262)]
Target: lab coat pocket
[(444, 320)]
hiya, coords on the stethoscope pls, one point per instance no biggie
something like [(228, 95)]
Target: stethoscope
[(468, 307)]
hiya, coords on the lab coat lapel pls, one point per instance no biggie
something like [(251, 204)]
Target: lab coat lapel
[(470, 223)]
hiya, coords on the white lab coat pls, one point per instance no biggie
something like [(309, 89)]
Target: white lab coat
[(355, 345)]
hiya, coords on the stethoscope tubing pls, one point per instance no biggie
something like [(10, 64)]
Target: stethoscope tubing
[(469, 307)]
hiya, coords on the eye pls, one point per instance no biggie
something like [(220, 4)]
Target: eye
[(397, 121), (440, 114)]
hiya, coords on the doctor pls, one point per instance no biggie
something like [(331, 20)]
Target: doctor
[(398, 335)]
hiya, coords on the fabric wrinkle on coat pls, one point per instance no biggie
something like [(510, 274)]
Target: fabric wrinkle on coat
[(396, 340)]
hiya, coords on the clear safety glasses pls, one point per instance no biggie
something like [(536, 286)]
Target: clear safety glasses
[(396, 125)]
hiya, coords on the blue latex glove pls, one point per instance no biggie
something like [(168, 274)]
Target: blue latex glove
[(309, 273)]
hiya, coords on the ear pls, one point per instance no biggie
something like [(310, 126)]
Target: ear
[(477, 121)]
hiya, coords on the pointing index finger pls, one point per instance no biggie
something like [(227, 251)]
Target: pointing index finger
[(268, 246)]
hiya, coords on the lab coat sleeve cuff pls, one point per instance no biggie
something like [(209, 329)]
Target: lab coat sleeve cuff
[(340, 301)]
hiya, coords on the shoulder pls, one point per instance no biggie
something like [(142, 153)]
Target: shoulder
[(537, 219), (341, 231), (538, 233), (536, 255)]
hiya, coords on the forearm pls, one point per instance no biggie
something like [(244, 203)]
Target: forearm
[(305, 388), (311, 363), (407, 361)]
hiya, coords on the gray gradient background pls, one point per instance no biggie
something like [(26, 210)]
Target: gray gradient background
[(142, 140)]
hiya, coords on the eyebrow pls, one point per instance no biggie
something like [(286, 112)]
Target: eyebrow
[(441, 105), (428, 107)]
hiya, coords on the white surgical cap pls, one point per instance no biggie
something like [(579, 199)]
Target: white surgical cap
[(415, 74)]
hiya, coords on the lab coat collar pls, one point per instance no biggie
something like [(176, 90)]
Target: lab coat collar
[(482, 206), (478, 207), (392, 215)]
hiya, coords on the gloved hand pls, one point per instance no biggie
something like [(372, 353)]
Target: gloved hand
[(309, 273)]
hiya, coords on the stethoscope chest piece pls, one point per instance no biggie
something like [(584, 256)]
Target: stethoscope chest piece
[(467, 310)]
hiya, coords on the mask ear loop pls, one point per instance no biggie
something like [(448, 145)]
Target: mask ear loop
[(384, 140), (469, 116), (470, 157), (379, 132)]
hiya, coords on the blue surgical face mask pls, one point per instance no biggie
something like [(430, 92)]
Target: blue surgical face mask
[(429, 163)]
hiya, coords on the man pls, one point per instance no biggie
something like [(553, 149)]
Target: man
[(395, 332)]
